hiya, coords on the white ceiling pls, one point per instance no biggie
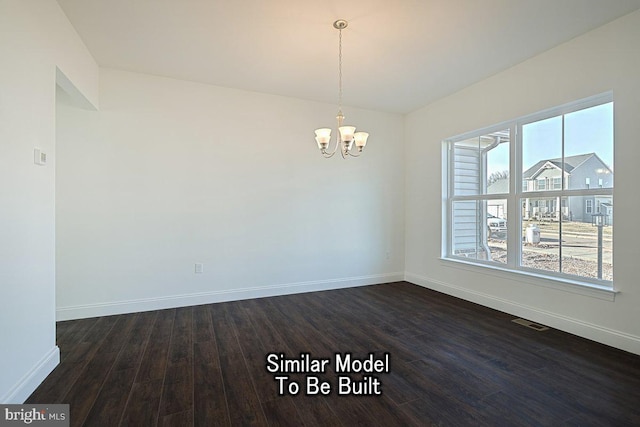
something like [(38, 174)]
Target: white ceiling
[(399, 55)]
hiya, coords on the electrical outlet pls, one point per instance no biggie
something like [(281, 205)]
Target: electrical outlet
[(39, 158), (199, 269)]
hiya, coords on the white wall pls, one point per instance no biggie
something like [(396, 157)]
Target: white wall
[(35, 38), (605, 59), (171, 173)]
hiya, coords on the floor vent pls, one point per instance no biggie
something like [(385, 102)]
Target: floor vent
[(530, 325)]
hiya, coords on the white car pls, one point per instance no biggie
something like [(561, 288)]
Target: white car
[(496, 227)]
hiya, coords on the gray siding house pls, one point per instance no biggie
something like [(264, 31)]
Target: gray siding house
[(583, 171), (472, 219)]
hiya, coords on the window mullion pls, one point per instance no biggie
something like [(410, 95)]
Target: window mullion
[(450, 195), (515, 185), (562, 170)]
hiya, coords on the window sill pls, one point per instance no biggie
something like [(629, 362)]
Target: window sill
[(567, 285)]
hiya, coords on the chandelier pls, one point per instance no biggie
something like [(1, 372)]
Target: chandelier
[(347, 135)]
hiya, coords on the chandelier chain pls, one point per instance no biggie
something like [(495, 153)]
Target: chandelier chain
[(340, 72)]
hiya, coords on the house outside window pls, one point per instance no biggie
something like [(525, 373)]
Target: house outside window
[(493, 207)]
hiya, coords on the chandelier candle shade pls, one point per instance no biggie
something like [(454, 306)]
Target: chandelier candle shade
[(347, 135)]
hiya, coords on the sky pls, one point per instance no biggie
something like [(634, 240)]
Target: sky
[(586, 131)]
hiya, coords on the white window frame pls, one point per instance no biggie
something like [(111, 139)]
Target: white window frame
[(588, 206), (543, 186), (516, 194)]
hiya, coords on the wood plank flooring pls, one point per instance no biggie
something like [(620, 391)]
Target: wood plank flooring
[(453, 363)]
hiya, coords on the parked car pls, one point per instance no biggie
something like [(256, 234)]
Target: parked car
[(496, 227)]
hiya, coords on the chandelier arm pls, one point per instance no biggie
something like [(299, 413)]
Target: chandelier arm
[(327, 155), (325, 152), (354, 155)]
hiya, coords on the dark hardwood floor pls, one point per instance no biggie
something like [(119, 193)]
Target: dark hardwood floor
[(452, 363)]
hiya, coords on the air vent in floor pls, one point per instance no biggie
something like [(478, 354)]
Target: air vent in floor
[(530, 324)]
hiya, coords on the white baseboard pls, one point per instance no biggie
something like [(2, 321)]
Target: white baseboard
[(173, 301), (32, 379), (611, 337)]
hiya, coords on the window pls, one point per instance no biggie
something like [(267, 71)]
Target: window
[(480, 175), (542, 184), (588, 206), (519, 198)]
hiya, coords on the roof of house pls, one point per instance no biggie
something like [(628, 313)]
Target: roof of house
[(499, 186), (570, 163)]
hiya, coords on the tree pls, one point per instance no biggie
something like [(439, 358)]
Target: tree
[(496, 176)]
